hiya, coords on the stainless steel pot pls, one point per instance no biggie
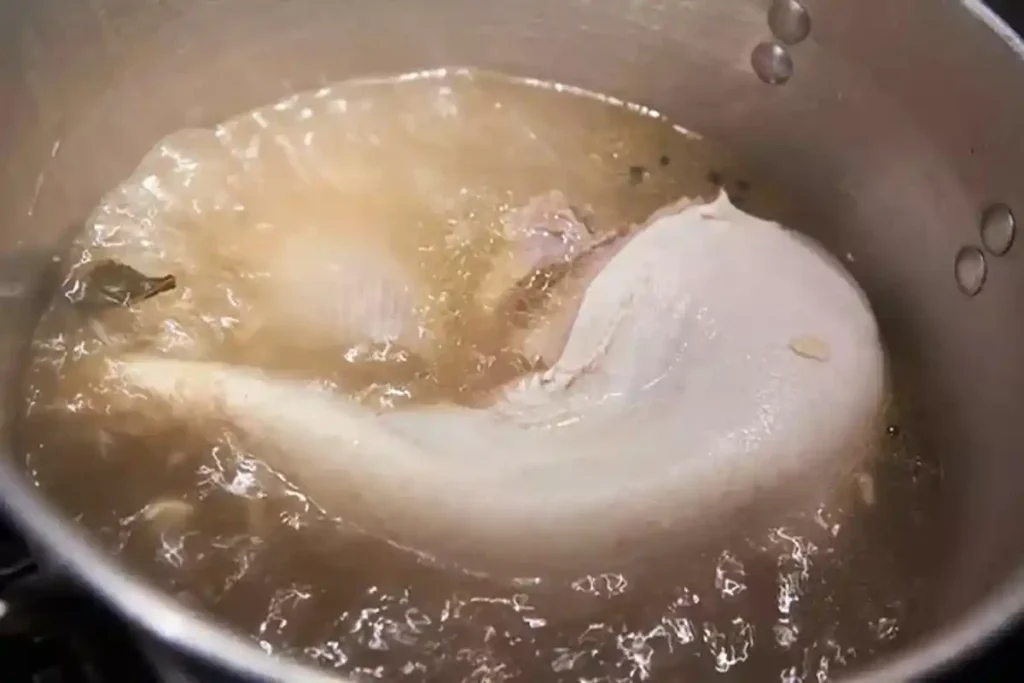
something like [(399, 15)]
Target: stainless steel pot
[(900, 126)]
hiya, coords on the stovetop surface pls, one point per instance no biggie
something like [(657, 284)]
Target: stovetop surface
[(50, 635)]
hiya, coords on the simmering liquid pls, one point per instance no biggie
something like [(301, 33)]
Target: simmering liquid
[(431, 167)]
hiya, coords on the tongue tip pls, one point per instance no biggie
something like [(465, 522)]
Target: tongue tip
[(721, 206)]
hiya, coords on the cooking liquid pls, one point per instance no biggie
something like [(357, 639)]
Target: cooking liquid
[(429, 163)]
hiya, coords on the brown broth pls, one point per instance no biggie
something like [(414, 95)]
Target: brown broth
[(428, 164)]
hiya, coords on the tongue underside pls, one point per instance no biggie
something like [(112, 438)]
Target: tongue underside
[(696, 367)]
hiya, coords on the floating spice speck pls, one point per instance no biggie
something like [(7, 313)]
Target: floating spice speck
[(168, 512), (813, 348), (637, 175)]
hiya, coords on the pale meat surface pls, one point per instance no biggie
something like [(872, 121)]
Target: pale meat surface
[(680, 397)]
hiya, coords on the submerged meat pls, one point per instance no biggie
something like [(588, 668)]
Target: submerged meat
[(543, 234), (677, 402), (551, 255), (345, 295)]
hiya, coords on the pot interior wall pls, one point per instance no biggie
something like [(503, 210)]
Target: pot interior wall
[(898, 127)]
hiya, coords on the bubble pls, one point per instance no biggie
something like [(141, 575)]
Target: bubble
[(998, 229), (772, 62), (970, 269), (789, 21)]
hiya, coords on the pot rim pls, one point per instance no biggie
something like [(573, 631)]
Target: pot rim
[(172, 623)]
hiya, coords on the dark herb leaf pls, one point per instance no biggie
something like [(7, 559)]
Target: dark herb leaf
[(112, 283)]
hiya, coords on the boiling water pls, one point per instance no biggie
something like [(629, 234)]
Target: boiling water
[(430, 164)]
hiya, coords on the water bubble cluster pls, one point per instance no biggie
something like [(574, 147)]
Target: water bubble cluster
[(998, 229), (790, 24)]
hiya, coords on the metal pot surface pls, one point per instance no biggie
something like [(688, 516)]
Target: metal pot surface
[(899, 127)]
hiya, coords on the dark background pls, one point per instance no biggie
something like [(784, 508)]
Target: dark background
[(1011, 10)]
